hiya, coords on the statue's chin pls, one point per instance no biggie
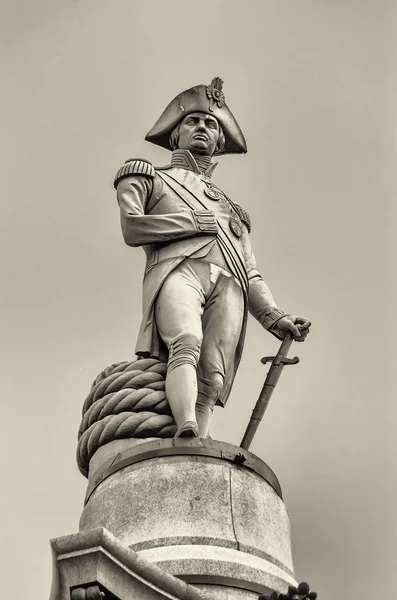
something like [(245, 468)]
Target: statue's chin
[(200, 149), (202, 152)]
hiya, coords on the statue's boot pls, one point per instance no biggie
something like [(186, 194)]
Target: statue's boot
[(181, 390), (187, 430)]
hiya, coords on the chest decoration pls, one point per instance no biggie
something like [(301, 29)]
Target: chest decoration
[(214, 193)]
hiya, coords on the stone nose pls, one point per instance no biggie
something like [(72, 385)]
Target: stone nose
[(201, 126)]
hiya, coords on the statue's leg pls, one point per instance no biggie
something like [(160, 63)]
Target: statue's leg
[(178, 311), (221, 323)]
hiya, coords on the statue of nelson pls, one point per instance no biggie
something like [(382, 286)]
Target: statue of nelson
[(201, 278)]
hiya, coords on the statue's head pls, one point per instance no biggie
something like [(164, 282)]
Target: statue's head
[(199, 120), (200, 133)]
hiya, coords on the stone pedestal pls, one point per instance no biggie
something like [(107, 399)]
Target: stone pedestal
[(207, 512)]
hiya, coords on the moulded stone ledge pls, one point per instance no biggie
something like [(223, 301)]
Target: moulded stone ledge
[(211, 561), (97, 557)]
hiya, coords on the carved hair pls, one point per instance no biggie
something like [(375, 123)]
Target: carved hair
[(174, 139)]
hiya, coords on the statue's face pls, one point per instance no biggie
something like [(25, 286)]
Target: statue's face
[(199, 133)]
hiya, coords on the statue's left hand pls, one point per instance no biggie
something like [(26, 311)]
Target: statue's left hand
[(299, 327)]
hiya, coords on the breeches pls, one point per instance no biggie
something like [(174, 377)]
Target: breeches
[(199, 312)]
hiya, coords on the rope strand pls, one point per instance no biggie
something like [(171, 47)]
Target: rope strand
[(127, 400)]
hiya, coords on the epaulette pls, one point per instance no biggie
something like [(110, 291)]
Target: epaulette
[(244, 216), (134, 166)]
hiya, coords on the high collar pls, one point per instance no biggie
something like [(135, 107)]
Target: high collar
[(184, 159)]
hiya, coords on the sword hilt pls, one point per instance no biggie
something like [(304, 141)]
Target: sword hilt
[(277, 360)]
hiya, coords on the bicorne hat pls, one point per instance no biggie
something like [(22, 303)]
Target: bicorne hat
[(209, 99)]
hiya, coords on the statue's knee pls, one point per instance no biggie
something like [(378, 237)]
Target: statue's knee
[(184, 350)]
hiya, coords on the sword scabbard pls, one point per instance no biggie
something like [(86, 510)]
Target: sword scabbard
[(277, 365)]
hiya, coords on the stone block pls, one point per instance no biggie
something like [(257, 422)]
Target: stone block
[(200, 510)]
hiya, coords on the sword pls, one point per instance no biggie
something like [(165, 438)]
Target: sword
[(276, 368)]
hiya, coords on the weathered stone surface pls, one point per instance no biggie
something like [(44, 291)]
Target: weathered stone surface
[(111, 450), (221, 592), (197, 515), (258, 515), (163, 498)]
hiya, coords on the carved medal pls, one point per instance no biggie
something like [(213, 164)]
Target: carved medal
[(212, 193), (236, 226)]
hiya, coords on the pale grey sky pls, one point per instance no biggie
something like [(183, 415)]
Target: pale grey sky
[(313, 85)]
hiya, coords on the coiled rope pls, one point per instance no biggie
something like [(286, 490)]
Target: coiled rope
[(127, 400)]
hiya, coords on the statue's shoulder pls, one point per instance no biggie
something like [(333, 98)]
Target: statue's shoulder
[(244, 216), (135, 166)]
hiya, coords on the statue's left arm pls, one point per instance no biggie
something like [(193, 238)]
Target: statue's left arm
[(262, 305)]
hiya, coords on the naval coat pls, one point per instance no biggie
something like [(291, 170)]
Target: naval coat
[(167, 213)]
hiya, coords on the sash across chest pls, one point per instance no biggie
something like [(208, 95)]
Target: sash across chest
[(228, 248)]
